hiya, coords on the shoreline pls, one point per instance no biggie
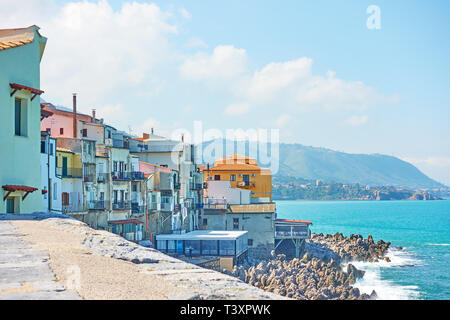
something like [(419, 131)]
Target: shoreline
[(325, 272)]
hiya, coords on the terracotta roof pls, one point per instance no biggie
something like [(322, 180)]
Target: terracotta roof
[(11, 38), (18, 188), (149, 168), (126, 221), (294, 221), (236, 167), (22, 87), (64, 150)]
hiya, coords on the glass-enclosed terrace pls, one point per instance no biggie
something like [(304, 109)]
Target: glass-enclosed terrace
[(204, 243)]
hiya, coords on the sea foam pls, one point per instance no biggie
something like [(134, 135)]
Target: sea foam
[(387, 289)]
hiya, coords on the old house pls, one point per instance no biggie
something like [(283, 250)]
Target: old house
[(21, 51)]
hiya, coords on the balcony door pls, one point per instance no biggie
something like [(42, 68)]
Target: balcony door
[(246, 179), (64, 167)]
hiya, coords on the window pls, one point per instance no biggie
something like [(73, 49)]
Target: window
[(115, 166), (217, 177), (50, 151), (10, 205), (55, 191), (42, 146), (236, 223), (65, 199), (61, 130), (250, 242), (205, 222), (134, 186), (233, 177), (20, 124), (84, 133)]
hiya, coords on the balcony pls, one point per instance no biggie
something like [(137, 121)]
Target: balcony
[(137, 175), (136, 208), (196, 186), (121, 176), (102, 177), (89, 177), (244, 184), (166, 206), (153, 206), (98, 205), (121, 205), (68, 172), (73, 207)]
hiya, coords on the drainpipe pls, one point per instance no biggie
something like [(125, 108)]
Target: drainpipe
[(75, 116), (48, 176)]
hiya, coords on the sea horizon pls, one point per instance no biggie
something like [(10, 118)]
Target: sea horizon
[(417, 230)]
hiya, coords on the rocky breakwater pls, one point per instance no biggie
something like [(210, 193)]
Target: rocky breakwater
[(320, 273), (346, 249)]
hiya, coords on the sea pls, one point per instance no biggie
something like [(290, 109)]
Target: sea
[(419, 232)]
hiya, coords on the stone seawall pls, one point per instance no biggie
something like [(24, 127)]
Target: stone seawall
[(101, 265)]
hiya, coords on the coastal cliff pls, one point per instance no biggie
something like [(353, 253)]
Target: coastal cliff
[(323, 273)]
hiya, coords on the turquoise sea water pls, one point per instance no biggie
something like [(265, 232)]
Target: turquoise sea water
[(420, 271)]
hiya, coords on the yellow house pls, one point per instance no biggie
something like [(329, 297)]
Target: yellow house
[(68, 163), (242, 172)]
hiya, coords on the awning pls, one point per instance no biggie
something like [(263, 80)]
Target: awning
[(126, 221), (12, 188), (16, 87), (45, 113)]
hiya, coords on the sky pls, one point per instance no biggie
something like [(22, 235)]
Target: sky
[(315, 70)]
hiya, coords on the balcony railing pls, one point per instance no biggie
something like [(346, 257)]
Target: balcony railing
[(73, 207), (136, 208), (166, 206), (89, 178), (121, 176), (196, 186), (103, 177), (153, 206), (137, 175), (121, 205), (69, 172), (98, 205)]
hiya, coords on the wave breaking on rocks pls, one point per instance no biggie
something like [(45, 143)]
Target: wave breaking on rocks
[(319, 274)]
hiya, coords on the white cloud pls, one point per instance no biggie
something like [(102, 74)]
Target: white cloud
[(237, 109), (196, 43), (275, 77), (95, 50), (225, 62), (185, 14), (441, 162), (289, 86), (356, 120), (282, 120)]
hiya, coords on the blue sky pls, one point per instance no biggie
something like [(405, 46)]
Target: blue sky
[(345, 87)]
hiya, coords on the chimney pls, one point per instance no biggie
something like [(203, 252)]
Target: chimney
[(93, 115), (75, 124)]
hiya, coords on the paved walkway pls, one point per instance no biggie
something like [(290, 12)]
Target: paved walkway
[(24, 271)]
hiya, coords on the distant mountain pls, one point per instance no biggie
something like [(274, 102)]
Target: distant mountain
[(299, 161)]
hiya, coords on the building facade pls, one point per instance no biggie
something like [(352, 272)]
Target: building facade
[(21, 51)]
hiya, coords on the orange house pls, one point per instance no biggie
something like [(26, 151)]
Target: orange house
[(244, 173)]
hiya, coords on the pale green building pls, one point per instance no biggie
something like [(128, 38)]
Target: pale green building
[(21, 52)]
